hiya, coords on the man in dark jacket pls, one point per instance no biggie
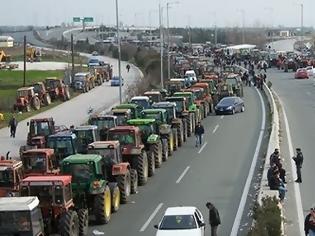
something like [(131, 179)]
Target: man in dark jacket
[(298, 163), (13, 124), (214, 218), (309, 223), (199, 131)]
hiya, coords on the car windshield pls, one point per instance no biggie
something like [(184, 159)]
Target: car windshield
[(81, 172), (34, 163), (227, 101), (103, 123), (6, 178), (62, 146), (15, 223), (181, 222), (39, 128), (123, 138)]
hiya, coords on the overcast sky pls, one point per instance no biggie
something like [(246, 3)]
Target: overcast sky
[(202, 13)]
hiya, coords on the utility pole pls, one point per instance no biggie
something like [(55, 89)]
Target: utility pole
[(72, 59), (302, 26), (24, 69), (243, 26), (119, 53), (168, 43), (161, 43)]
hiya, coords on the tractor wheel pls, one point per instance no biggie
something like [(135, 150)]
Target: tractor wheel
[(28, 108), (170, 143), (164, 149), (158, 154), (142, 168), (67, 95), (134, 181), (151, 161), (185, 135), (103, 206), (36, 103), (69, 224), (115, 199), (189, 125), (83, 222), (124, 182), (175, 137), (180, 136), (47, 99)]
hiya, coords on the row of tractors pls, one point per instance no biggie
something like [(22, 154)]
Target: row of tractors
[(83, 174)]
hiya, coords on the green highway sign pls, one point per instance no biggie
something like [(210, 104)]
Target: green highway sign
[(88, 19), (76, 19)]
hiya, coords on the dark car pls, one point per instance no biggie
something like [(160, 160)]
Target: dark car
[(230, 105)]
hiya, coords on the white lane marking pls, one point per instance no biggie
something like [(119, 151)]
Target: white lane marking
[(221, 117), (241, 206), (146, 224), (215, 129), (202, 147), (182, 175), (296, 186)]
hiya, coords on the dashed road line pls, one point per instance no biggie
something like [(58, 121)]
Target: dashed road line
[(202, 147), (215, 129), (146, 224), (182, 175)]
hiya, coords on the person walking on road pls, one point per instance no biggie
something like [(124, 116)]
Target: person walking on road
[(128, 68), (298, 163), (13, 124), (214, 218), (199, 131), (309, 223)]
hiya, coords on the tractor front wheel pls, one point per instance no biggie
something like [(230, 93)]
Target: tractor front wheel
[(103, 206), (83, 215), (175, 137), (142, 168), (69, 224), (180, 135), (164, 149), (124, 182), (151, 161), (115, 199), (158, 154), (134, 181)]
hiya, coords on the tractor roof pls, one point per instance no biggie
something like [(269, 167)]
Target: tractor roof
[(46, 151), (124, 128), (175, 98), (178, 79), (82, 158), (140, 121), (103, 117), (5, 164), (104, 145), (152, 93), (52, 78), (163, 104), (121, 110), (140, 98), (126, 106), (154, 111), (25, 88), (63, 134), (202, 85), (18, 203), (85, 127), (47, 179), (184, 93), (42, 119), (82, 74)]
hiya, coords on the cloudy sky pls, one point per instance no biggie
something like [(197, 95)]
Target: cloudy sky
[(202, 13)]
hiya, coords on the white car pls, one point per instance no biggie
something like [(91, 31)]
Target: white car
[(310, 71), (191, 75), (181, 221)]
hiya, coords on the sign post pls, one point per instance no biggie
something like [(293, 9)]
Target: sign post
[(83, 20)]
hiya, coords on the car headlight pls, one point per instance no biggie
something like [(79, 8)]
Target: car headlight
[(230, 108)]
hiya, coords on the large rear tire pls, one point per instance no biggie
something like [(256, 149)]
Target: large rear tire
[(180, 136), (134, 181), (151, 161), (67, 95), (103, 207), (164, 149), (124, 184), (115, 193), (69, 224), (185, 135), (47, 99), (142, 168), (170, 143), (175, 138), (189, 125), (36, 103), (158, 154), (83, 215)]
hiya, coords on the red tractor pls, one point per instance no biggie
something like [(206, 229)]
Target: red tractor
[(207, 98), (25, 99), (39, 162), (56, 204), (57, 89), (42, 93)]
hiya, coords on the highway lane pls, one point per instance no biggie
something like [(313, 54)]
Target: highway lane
[(217, 172), (74, 111), (298, 97)]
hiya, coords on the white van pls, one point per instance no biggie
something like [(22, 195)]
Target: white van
[(191, 75)]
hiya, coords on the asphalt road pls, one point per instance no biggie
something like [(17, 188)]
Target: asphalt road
[(75, 111), (298, 97), (217, 172)]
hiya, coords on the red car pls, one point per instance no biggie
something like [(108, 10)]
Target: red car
[(301, 74)]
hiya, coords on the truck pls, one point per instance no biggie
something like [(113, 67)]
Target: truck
[(83, 81)]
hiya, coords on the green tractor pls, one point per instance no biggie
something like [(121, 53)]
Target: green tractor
[(164, 129), (152, 142), (179, 125), (192, 108), (134, 108), (122, 115), (234, 80), (90, 188)]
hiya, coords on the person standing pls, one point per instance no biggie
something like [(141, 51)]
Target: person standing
[(128, 68), (13, 124), (199, 131), (298, 163), (214, 218), (309, 223)]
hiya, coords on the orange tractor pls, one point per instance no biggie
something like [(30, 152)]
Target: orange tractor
[(206, 97), (57, 89), (25, 99)]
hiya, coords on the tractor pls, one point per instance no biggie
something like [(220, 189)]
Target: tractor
[(25, 99), (11, 173), (83, 81), (57, 89), (224, 90), (179, 125), (85, 134), (118, 173), (56, 204), (152, 141), (42, 93), (213, 89), (207, 98), (103, 123), (64, 144), (133, 150), (21, 216), (199, 101), (154, 96), (91, 190), (142, 101), (235, 82), (176, 85), (134, 108), (122, 115), (165, 130), (39, 162)]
